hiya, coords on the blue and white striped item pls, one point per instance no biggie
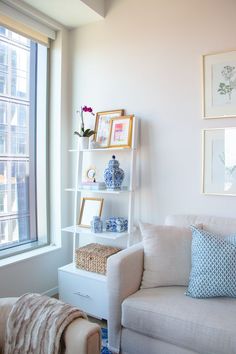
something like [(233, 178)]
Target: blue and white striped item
[(213, 270)]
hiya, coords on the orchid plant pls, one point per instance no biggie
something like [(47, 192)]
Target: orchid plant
[(85, 133)]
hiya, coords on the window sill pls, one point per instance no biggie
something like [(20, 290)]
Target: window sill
[(27, 255)]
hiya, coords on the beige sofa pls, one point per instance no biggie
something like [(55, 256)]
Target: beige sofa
[(81, 336), (164, 320)]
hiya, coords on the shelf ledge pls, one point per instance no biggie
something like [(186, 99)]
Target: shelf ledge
[(102, 149), (106, 191), (87, 231)]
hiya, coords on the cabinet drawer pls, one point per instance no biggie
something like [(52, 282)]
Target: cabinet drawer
[(88, 294)]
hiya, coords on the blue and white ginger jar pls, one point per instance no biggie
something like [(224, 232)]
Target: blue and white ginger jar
[(113, 175)]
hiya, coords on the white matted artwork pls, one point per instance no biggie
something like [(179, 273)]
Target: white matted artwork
[(219, 161), (102, 126), (219, 85)]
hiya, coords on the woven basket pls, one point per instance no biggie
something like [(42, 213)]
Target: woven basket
[(93, 257)]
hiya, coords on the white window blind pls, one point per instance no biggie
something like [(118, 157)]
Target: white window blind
[(25, 25)]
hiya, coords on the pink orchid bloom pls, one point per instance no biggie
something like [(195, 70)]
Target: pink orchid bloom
[(85, 132)]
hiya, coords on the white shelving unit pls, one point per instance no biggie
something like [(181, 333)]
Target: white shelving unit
[(79, 287)]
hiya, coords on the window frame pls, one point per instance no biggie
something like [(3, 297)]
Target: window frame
[(33, 141)]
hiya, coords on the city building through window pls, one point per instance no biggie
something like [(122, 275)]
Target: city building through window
[(19, 70)]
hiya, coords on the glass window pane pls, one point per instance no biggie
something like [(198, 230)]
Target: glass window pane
[(3, 112), (3, 31), (3, 83), (19, 115), (14, 230), (3, 232), (3, 139), (20, 72), (19, 39), (15, 59), (3, 187), (3, 56), (19, 187)]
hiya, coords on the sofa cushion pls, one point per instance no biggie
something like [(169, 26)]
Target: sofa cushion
[(220, 225), (206, 326), (213, 270), (136, 343), (167, 255)]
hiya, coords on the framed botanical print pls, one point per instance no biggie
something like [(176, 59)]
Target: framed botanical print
[(219, 161), (121, 132), (219, 85), (102, 126)]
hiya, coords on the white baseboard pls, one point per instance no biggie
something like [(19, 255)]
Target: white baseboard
[(51, 292)]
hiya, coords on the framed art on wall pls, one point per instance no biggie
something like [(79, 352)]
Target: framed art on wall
[(121, 132), (219, 161), (219, 85), (90, 207), (102, 126)]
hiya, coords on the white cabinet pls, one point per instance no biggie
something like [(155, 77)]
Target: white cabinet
[(84, 290), (87, 290)]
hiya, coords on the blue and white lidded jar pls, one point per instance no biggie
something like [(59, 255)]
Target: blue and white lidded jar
[(117, 224), (121, 224), (96, 224), (113, 175)]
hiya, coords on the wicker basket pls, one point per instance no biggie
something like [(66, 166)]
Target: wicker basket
[(93, 257)]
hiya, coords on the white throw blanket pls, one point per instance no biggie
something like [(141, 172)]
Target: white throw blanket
[(36, 324)]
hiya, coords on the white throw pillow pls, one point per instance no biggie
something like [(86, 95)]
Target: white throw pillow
[(167, 255)]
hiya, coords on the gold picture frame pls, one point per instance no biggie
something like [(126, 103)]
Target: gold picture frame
[(90, 207), (121, 132), (102, 126), (218, 85)]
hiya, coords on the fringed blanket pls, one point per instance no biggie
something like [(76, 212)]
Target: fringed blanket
[(36, 324)]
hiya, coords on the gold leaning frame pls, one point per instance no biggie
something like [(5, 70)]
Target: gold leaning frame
[(82, 209), (129, 140)]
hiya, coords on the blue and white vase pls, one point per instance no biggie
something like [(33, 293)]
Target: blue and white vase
[(96, 224), (113, 175)]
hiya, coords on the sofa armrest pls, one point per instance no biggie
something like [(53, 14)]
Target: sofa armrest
[(124, 275), (82, 337)]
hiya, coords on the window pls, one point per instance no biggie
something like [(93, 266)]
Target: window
[(23, 83)]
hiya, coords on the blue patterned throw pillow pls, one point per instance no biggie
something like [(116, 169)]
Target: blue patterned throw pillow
[(213, 270)]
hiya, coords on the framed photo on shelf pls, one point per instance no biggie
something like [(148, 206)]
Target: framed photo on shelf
[(219, 161), (102, 126), (121, 132), (90, 174), (219, 85), (90, 207)]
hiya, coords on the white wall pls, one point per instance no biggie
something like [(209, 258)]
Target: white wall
[(39, 274), (146, 57)]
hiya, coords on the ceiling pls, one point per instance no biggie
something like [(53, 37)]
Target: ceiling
[(70, 13)]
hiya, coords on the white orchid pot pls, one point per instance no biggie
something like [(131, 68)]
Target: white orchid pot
[(83, 143)]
